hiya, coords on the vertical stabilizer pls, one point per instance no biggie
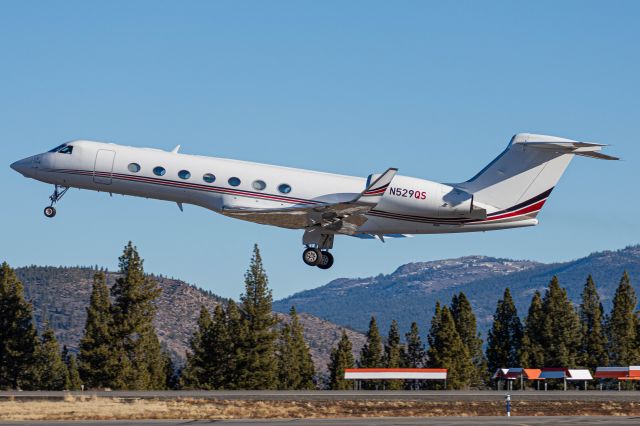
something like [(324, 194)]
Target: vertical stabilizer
[(527, 170)]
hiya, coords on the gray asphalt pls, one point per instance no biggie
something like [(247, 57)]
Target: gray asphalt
[(401, 421), (345, 395)]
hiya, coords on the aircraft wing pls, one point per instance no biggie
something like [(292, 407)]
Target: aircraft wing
[(342, 217)]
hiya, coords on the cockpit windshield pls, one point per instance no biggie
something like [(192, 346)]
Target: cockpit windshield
[(63, 149)]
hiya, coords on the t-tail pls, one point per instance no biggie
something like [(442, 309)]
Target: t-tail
[(519, 180)]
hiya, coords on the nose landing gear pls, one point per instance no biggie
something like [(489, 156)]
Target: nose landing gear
[(58, 193)]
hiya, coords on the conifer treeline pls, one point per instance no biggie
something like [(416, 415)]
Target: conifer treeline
[(239, 347), (244, 346), (554, 334), (453, 343), (26, 360)]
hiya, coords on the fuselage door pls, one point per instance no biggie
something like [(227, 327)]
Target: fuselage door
[(103, 168)]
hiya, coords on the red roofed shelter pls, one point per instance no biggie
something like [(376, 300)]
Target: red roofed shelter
[(618, 373), (358, 374)]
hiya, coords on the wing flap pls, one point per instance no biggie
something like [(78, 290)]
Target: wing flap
[(343, 217)]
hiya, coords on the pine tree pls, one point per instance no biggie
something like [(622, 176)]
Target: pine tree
[(341, 359), (622, 325), (415, 354), (561, 334), (295, 366), (96, 361), (171, 379), (218, 345), (532, 351), (52, 371), (371, 354), (593, 347), (393, 354), (18, 339), (238, 330), (446, 349), (195, 374), (73, 381), (141, 364), (505, 337), (259, 367), (465, 321)]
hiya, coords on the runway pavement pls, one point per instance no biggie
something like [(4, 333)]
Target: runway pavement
[(344, 395), (399, 421)]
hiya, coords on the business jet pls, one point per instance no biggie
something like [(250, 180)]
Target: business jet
[(507, 193)]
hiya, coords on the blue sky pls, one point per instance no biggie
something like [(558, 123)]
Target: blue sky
[(433, 88)]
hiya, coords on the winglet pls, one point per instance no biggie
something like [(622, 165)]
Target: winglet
[(377, 188), (176, 149)]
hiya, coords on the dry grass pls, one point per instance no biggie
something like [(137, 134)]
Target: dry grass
[(93, 408)]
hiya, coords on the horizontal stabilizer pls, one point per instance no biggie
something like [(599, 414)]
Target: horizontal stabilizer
[(585, 149)]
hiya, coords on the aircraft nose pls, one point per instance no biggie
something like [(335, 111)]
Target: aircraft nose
[(21, 166)]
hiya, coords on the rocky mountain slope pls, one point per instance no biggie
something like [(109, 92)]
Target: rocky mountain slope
[(411, 291), (60, 295)]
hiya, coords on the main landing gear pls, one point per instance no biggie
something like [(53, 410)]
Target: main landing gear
[(58, 193), (316, 257), (318, 246)]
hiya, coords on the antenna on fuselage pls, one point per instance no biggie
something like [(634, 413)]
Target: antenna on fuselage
[(176, 149)]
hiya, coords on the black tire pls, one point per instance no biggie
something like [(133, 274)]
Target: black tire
[(50, 211), (311, 256), (327, 260)]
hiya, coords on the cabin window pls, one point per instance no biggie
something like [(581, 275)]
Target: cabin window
[(134, 167), (159, 171), (209, 178), (184, 174), (284, 188), (259, 185), (234, 181)]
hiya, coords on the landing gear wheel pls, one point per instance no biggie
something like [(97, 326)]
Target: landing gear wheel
[(327, 260), (50, 211), (312, 256)]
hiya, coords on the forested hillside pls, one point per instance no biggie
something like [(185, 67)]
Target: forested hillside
[(61, 295)]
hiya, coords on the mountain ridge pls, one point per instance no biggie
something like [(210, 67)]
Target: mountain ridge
[(409, 292)]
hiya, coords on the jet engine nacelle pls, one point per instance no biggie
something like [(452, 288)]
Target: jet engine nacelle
[(425, 198)]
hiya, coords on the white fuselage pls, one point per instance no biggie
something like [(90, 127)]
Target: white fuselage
[(409, 206)]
